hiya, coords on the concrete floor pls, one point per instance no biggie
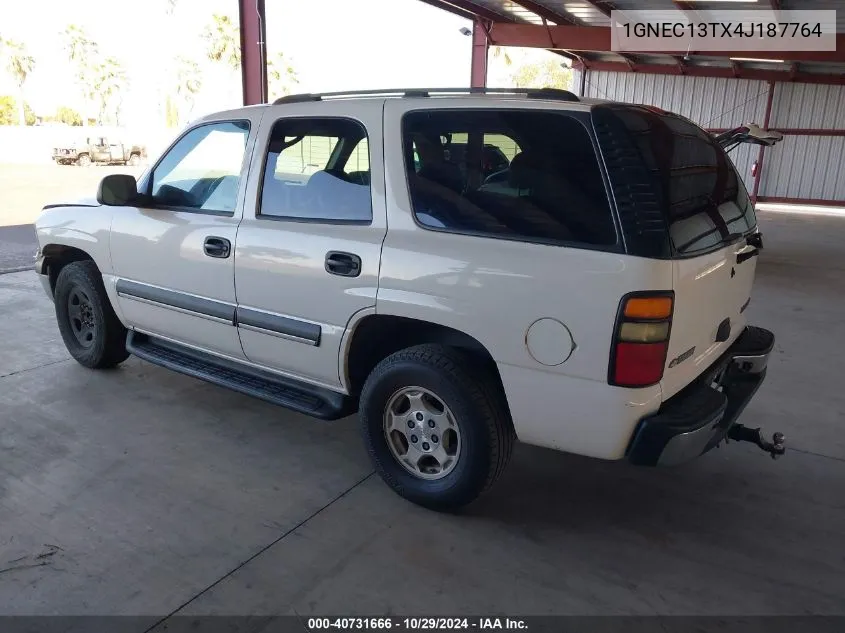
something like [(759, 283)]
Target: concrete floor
[(140, 491)]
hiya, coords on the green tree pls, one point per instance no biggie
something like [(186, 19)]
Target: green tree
[(223, 41), (68, 116), (84, 56), (188, 82), (281, 76), (500, 52), (9, 111), (109, 82), (19, 64), (545, 74)]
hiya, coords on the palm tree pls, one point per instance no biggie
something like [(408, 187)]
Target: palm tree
[(223, 41), (84, 56), (500, 52), (188, 83), (281, 75), (109, 83), (19, 64)]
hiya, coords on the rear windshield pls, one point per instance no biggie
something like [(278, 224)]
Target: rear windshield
[(689, 177), (513, 174)]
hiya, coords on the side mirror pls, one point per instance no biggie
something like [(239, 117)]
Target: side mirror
[(117, 190)]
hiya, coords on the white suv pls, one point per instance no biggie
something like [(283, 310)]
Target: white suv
[(462, 269)]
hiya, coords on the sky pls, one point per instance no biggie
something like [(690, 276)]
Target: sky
[(333, 45)]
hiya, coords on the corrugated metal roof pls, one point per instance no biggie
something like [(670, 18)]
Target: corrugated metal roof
[(595, 13)]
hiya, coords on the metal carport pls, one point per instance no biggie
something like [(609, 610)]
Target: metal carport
[(802, 96)]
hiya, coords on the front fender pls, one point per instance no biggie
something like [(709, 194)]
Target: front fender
[(79, 226)]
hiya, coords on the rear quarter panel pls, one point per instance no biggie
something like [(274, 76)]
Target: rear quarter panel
[(494, 290)]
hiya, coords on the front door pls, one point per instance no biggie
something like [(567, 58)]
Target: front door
[(173, 257), (116, 154), (309, 244), (100, 150)]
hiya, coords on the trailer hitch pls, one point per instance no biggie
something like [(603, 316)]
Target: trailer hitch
[(775, 448)]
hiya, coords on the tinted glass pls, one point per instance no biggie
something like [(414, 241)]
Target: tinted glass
[(317, 169), (699, 192), (203, 170), (529, 174)]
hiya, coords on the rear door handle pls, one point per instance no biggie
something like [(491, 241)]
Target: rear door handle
[(217, 247), (343, 264)]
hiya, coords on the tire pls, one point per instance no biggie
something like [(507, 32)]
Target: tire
[(134, 160), (476, 404), (92, 333), (84, 161)]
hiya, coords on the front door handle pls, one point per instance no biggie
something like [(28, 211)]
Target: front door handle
[(343, 264), (217, 247)]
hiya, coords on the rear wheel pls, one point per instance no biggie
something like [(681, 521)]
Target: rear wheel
[(84, 160), (91, 331), (134, 160), (436, 426)]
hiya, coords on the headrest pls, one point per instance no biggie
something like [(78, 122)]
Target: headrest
[(524, 171)]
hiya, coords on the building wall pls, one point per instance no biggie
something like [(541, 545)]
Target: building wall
[(801, 167), (806, 167)]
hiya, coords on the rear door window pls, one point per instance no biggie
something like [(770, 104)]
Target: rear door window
[(317, 170), (514, 174)]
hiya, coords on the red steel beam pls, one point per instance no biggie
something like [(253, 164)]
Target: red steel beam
[(480, 48), (719, 71), (817, 202), (597, 38), (762, 153), (468, 10), (253, 51), (793, 131)]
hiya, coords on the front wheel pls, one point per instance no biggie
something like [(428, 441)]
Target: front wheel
[(436, 426), (84, 161), (91, 331), (134, 160)]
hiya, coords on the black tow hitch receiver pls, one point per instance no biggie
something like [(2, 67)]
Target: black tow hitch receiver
[(775, 448)]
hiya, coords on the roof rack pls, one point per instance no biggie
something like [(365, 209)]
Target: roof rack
[(532, 93)]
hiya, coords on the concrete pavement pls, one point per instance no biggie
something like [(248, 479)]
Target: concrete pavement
[(17, 248), (140, 491)]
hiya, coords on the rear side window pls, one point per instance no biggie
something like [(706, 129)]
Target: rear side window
[(317, 170), (664, 167), (525, 175)]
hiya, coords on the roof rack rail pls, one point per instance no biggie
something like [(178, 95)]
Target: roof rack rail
[(531, 93)]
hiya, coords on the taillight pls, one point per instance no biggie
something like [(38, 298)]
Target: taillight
[(641, 339)]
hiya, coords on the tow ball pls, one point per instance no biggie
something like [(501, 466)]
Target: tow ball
[(775, 448)]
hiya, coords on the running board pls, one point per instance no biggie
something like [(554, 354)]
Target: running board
[(298, 396)]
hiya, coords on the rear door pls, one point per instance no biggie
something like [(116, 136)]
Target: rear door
[(309, 245)]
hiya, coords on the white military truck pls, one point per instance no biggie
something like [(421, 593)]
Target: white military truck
[(334, 254)]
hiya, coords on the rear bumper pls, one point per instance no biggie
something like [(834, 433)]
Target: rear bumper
[(699, 417)]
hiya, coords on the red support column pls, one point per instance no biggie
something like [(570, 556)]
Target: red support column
[(766, 117), (253, 51), (480, 46)]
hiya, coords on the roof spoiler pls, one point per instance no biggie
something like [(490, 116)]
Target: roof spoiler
[(750, 133)]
